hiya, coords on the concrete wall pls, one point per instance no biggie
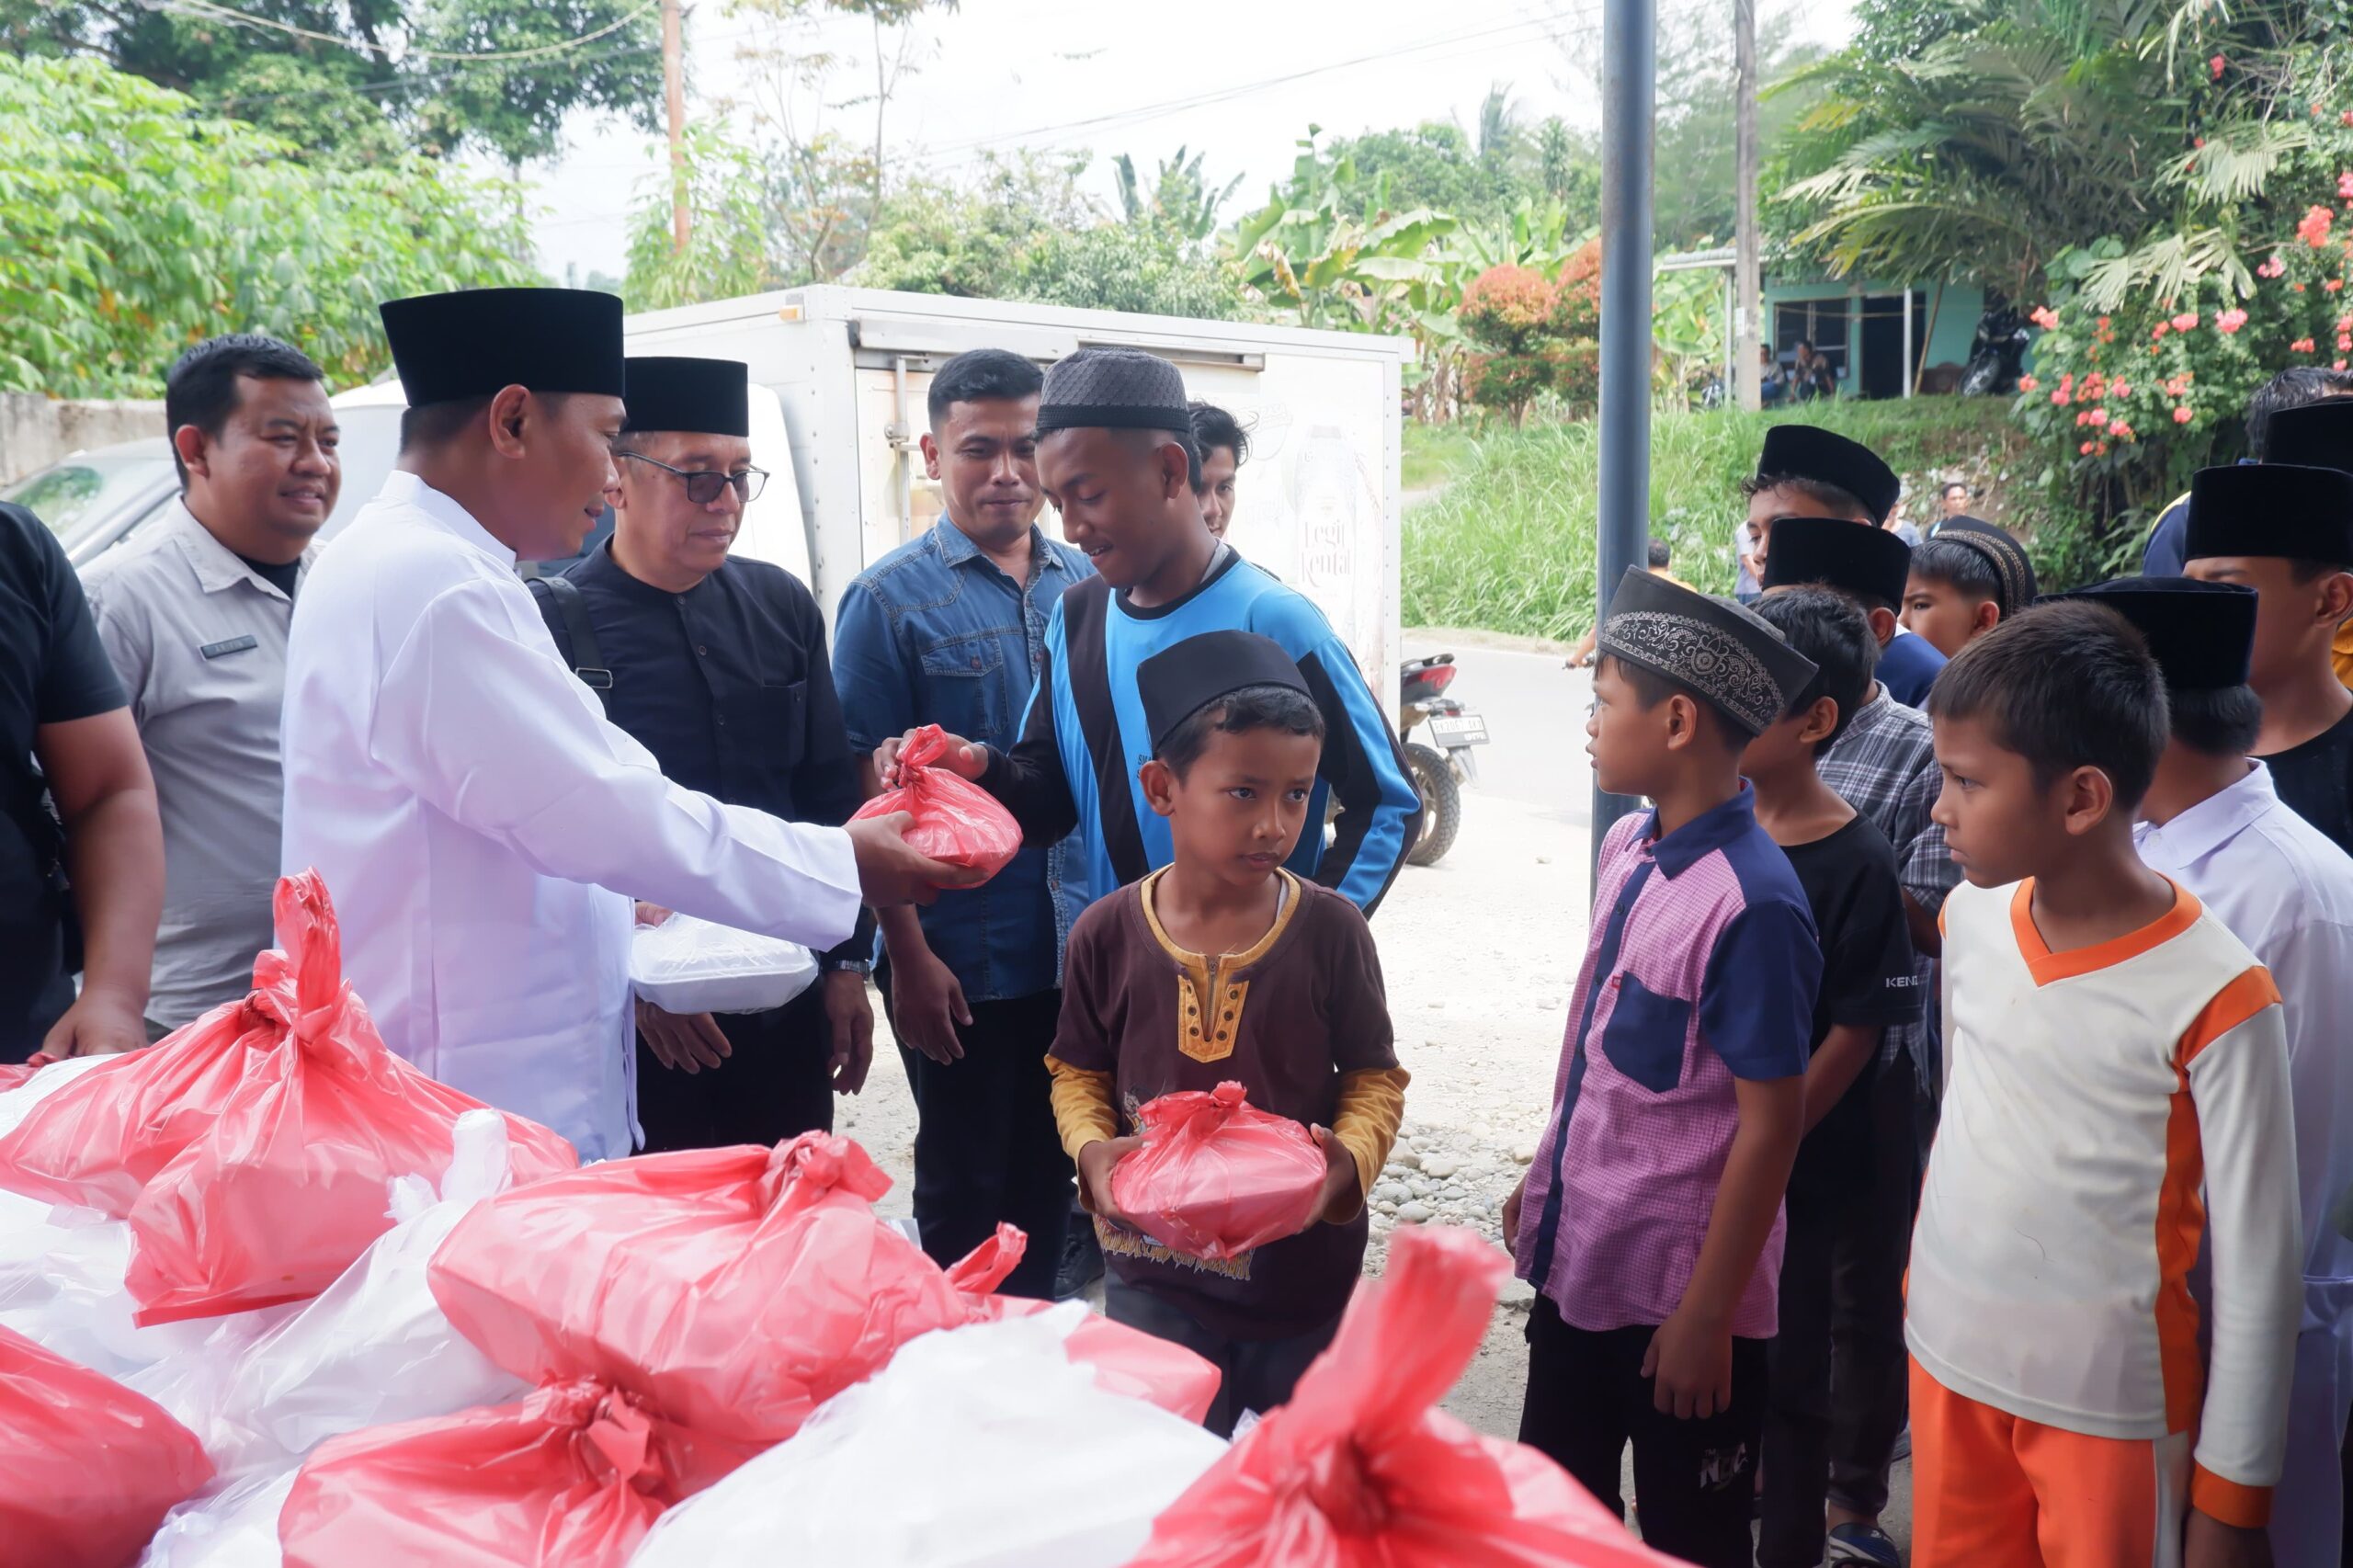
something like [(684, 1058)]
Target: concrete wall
[(35, 431)]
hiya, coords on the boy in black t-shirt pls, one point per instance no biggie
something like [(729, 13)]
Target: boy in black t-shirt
[(1848, 873)]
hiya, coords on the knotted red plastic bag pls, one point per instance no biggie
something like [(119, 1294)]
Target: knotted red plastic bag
[(571, 1476), (1361, 1469), (735, 1289), (1216, 1177), (87, 1468), (955, 820), (1125, 1360), (252, 1152)]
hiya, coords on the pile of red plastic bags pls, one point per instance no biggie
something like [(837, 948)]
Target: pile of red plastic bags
[(269, 1298)]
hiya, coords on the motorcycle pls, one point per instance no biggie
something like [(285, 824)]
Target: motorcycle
[(1440, 768), (1996, 355)]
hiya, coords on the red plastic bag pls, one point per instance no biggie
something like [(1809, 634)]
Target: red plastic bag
[(1125, 1360), (251, 1151), (1361, 1469), (955, 820), (571, 1476), (733, 1289), (1215, 1177), (87, 1468)]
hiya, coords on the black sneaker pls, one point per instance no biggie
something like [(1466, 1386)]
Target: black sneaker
[(1082, 1259), (1866, 1544)]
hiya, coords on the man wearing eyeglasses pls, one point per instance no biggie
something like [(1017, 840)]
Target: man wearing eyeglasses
[(718, 668)]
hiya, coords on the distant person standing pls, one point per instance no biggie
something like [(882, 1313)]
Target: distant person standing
[(1953, 500), (1748, 561), (194, 612), (1225, 447), (1813, 374)]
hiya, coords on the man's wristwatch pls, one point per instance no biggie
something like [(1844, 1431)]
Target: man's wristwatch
[(845, 966)]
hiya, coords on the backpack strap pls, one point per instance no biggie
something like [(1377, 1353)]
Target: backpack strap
[(571, 611)]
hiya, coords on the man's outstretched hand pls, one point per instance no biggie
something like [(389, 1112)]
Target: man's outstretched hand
[(892, 872), (961, 757)]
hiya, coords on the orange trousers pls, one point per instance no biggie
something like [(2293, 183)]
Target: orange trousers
[(1992, 1490)]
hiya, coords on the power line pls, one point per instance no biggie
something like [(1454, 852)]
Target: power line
[(213, 10)]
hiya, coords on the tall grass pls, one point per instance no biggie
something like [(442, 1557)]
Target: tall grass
[(1512, 542)]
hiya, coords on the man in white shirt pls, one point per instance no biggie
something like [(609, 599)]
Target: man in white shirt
[(2213, 823), (480, 825), (194, 612)]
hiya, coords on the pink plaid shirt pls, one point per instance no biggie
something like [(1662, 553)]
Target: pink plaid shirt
[(1701, 970)]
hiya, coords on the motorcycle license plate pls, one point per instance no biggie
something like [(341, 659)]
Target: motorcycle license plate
[(1457, 730)]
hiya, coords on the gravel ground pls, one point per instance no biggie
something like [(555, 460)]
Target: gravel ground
[(1480, 952)]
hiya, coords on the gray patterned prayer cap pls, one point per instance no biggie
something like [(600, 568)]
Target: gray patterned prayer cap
[(1115, 388), (1732, 657)]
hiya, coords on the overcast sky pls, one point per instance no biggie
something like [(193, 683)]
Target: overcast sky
[(1241, 79)]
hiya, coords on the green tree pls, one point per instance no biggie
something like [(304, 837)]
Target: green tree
[(727, 250), (1696, 148), (1118, 266), (136, 224), (1180, 200), (362, 79), (967, 238)]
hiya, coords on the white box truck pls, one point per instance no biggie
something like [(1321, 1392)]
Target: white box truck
[(1319, 502)]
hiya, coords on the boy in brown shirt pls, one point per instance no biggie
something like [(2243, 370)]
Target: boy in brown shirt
[(1225, 966)]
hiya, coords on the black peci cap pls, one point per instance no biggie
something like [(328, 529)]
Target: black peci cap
[(2317, 435), (1184, 677), (2012, 570), (712, 397), (2202, 634), (1729, 656), (1119, 389), (1870, 564), (2271, 509), (1808, 451), (448, 347)]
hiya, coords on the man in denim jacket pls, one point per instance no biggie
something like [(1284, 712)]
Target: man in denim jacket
[(948, 629)]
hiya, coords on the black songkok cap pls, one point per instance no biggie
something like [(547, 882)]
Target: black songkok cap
[(710, 397), (448, 347), (1870, 564), (1184, 677), (2202, 634), (2318, 435), (1728, 655), (2012, 570), (2302, 513), (1115, 388), (1808, 451)]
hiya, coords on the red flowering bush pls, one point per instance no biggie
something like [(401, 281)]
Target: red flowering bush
[(1533, 335), (2141, 397)]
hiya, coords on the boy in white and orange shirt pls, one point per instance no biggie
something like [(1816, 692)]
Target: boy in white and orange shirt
[(2117, 1097)]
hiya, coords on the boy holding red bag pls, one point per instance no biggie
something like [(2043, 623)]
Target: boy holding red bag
[(1277, 987)]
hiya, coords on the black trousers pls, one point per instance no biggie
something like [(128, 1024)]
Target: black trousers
[(775, 1086), (988, 1151), (1255, 1374), (1694, 1479)]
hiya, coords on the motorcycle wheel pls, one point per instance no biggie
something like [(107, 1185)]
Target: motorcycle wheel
[(1442, 795), (1984, 373)]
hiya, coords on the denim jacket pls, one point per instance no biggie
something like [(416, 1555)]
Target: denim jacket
[(934, 633)]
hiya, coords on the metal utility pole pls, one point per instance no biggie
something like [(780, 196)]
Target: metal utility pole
[(1747, 275), (674, 93), (1628, 103)]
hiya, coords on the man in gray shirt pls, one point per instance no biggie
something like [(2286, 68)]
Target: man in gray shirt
[(194, 612)]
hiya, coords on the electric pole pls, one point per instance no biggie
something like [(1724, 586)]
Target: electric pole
[(673, 93), (1748, 273)]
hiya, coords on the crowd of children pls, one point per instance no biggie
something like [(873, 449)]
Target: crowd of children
[(2061, 882)]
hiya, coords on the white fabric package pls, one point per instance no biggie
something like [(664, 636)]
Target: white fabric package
[(685, 965), (231, 1526), (1026, 1463), (372, 1349)]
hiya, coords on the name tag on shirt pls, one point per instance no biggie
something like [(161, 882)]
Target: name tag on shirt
[(234, 645)]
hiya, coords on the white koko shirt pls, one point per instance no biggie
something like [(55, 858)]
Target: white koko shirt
[(2285, 890), (482, 829), (2108, 1109)]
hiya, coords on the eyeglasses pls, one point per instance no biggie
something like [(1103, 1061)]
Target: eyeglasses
[(704, 484)]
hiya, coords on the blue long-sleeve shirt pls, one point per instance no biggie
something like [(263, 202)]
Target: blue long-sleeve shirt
[(1084, 738)]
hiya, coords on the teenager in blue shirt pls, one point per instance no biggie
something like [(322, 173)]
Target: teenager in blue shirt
[(1116, 455)]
